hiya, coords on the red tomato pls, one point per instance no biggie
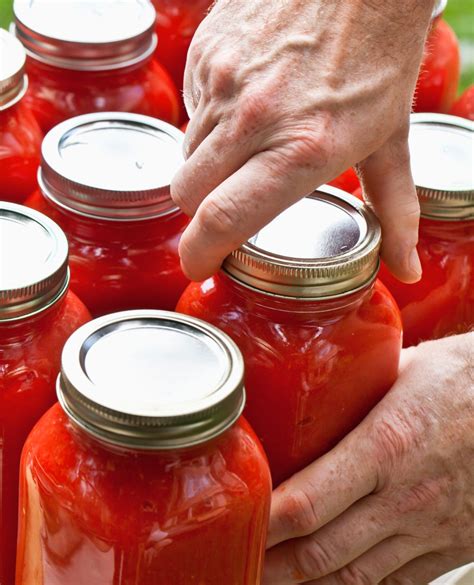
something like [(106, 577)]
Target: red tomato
[(347, 181), (464, 106), (439, 74), (358, 193)]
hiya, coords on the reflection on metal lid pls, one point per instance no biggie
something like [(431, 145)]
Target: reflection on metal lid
[(112, 165), (151, 379), (13, 81), (33, 261), (325, 245), (86, 34), (442, 154)]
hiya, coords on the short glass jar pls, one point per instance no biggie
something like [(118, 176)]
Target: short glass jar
[(20, 134), (92, 56), (37, 314), (442, 302), (105, 179), (146, 474), (320, 336)]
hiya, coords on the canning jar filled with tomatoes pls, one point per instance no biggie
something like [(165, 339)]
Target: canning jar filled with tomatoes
[(146, 474), (37, 314), (92, 56), (440, 70), (442, 302), (20, 134), (105, 179), (320, 335)]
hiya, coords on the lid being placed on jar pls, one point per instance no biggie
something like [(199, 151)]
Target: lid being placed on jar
[(33, 262), (442, 154), (151, 380), (325, 245), (13, 81), (88, 35), (111, 165)]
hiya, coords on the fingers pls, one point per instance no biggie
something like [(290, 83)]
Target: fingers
[(357, 530), (376, 564), (388, 187), (422, 570), (232, 213), (213, 159), (323, 491)]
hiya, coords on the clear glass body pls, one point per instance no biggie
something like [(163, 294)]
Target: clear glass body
[(56, 94), (314, 369), (20, 144), (121, 265), (442, 302), (438, 79), (30, 353), (93, 514)]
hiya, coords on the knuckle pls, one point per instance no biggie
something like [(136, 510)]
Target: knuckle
[(393, 440), (252, 113), (312, 560), (425, 495), (216, 217), (298, 513), (354, 575), (221, 76)]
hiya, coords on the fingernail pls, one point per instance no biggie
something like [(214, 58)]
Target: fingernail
[(414, 263)]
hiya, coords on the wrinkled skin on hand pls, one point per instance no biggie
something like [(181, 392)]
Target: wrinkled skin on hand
[(393, 503), (283, 97)]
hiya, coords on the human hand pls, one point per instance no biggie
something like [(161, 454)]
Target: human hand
[(393, 503), (283, 96)]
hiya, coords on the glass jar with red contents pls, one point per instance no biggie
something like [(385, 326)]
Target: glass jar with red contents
[(176, 23), (92, 56), (105, 179), (20, 135), (146, 473), (442, 302), (37, 315), (320, 336), (438, 79)]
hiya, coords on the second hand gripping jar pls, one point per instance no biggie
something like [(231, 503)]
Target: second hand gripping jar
[(320, 335), (442, 302), (145, 473), (37, 315), (105, 179), (92, 55)]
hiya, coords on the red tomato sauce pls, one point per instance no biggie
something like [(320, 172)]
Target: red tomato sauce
[(442, 302), (347, 181)]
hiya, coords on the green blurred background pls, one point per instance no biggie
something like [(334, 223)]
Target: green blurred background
[(459, 13)]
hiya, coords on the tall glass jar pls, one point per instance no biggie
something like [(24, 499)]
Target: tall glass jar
[(20, 134), (95, 56), (37, 315), (320, 336), (105, 179), (146, 474), (442, 302)]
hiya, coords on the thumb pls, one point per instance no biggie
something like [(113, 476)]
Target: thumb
[(389, 189)]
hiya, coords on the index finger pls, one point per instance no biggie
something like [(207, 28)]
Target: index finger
[(323, 490)]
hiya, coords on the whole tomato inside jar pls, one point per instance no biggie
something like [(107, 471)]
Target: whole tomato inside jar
[(146, 474), (20, 134), (438, 79), (442, 302), (94, 56), (176, 23), (37, 314), (320, 336), (464, 105), (105, 179)]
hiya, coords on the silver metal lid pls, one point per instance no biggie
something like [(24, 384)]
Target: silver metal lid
[(33, 262), (439, 8), (151, 380), (325, 245), (88, 35), (13, 81), (442, 155), (111, 165)]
